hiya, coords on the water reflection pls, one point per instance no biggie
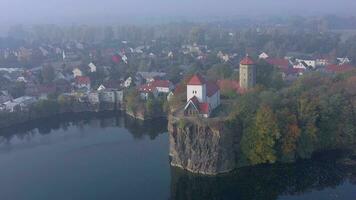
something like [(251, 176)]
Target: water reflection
[(55, 129), (266, 182), (131, 166)]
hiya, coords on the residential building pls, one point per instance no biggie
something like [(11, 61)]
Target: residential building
[(93, 98), (92, 67), (82, 82), (263, 55), (146, 90), (202, 97), (19, 104), (77, 72)]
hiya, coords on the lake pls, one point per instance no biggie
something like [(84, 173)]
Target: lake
[(108, 156)]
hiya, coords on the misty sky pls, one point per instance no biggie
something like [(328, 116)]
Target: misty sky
[(52, 11)]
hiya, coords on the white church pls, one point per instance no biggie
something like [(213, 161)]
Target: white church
[(202, 97)]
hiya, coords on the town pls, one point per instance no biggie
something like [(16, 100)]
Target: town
[(113, 78)]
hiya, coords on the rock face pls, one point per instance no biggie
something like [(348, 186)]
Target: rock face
[(202, 148)]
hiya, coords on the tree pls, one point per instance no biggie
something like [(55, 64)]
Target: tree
[(48, 74), (258, 142), (18, 89)]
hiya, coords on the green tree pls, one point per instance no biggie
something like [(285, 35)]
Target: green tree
[(258, 142), (48, 74)]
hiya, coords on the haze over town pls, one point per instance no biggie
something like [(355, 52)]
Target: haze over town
[(111, 11)]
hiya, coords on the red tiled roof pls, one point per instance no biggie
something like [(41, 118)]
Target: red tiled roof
[(247, 61), (161, 83), (204, 108), (229, 84), (116, 59), (278, 62), (197, 79), (195, 100), (146, 88), (82, 80), (339, 68), (211, 88)]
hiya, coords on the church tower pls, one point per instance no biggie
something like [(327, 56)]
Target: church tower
[(247, 73)]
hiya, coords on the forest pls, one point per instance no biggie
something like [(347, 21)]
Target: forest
[(315, 113)]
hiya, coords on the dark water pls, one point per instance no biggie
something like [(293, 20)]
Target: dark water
[(107, 157)]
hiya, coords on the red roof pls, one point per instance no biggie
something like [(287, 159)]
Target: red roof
[(204, 108), (161, 83), (229, 84), (339, 68), (211, 88), (116, 59), (278, 62), (147, 88), (197, 79), (247, 61), (82, 80), (195, 100)]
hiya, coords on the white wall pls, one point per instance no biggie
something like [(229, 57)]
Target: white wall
[(163, 89), (198, 91)]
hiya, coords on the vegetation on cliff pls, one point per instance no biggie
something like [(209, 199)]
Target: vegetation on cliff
[(315, 113)]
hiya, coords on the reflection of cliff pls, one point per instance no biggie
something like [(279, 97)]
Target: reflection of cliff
[(205, 147), (263, 182)]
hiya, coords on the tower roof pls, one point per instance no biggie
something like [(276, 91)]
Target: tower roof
[(197, 79), (247, 61)]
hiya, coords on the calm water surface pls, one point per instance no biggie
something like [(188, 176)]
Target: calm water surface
[(107, 157)]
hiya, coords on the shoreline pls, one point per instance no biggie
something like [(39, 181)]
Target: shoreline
[(31, 119)]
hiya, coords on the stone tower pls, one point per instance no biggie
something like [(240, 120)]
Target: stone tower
[(247, 73)]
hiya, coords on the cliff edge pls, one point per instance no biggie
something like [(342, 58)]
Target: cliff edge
[(204, 146)]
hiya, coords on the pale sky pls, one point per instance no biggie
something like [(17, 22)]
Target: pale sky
[(52, 11)]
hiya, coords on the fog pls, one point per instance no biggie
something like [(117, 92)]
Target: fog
[(77, 11)]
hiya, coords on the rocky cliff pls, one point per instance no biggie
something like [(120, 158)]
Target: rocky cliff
[(203, 146)]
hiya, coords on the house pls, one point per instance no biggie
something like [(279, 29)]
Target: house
[(107, 96), (128, 82), (147, 89), (151, 76), (323, 60), (18, 104), (202, 97), (302, 65), (82, 82), (223, 57), (77, 72), (170, 54), (307, 62), (92, 67), (263, 55), (93, 98), (101, 87), (342, 61), (280, 63), (162, 86)]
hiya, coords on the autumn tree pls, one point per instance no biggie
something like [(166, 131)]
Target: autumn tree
[(258, 143)]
